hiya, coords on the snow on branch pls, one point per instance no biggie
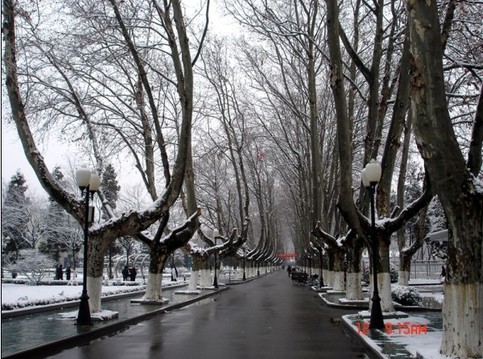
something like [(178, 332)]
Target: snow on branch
[(181, 235), (322, 236)]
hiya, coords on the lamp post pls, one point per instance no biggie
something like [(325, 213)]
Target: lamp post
[(89, 183), (371, 175), (215, 279), (244, 259), (321, 259), (309, 260)]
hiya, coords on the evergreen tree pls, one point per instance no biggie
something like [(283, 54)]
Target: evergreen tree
[(110, 189), (110, 186), (15, 217), (437, 222), (63, 233)]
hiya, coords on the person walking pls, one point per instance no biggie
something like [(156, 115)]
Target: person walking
[(132, 274), (59, 272), (67, 273), (442, 276), (125, 273), (174, 274)]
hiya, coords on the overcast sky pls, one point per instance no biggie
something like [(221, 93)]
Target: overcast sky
[(13, 157)]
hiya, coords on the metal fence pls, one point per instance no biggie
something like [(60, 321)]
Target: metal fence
[(420, 269), (426, 269)]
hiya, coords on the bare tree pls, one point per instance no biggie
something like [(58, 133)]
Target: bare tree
[(381, 80), (456, 180), (133, 222), (34, 265)]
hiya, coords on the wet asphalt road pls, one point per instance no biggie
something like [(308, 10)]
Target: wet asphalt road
[(262, 319)]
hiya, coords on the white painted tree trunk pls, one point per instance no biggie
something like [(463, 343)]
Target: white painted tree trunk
[(154, 287), (95, 265), (193, 284), (94, 291), (384, 285), (338, 281), (403, 278), (330, 278), (463, 320), (354, 286), (205, 278)]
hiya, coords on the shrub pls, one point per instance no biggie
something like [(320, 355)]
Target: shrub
[(32, 264), (394, 274), (405, 295)]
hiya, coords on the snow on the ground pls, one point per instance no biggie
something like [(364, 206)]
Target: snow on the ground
[(104, 314), (426, 344), (16, 296), (418, 341), (424, 281), (439, 297)]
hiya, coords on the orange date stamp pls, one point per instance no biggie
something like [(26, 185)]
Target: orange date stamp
[(401, 328)]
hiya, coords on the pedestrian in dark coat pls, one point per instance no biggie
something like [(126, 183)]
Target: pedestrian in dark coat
[(125, 273), (59, 272), (133, 273), (67, 273)]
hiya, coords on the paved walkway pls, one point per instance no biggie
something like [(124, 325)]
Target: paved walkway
[(263, 319)]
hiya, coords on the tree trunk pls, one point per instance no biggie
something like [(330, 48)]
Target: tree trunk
[(95, 266), (384, 277), (194, 278), (155, 275), (195, 272), (338, 279), (330, 268), (154, 289), (404, 268), (206, 281), (354, 275), (463, 290), (453, 182)]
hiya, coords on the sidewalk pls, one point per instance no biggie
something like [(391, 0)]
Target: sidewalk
[(39, 332), (268, 317), (265, 318), (409, 333), (414, 336)]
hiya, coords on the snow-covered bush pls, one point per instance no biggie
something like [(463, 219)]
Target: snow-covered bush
[(32, 264), (54, 294), (394, 274), (406, 295)]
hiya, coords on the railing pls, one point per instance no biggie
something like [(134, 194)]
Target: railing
[(426, 269), (420, 269)]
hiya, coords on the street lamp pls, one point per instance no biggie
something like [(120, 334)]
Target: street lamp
[(89, 183), (321, 262), (244, 259), (215, 279), (371, 175)]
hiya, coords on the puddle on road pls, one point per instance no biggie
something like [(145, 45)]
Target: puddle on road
[(201, 302)]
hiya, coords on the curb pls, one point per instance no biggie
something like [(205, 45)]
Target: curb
[(375, 350), (361, 306), (7, 314), (57, 346)]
